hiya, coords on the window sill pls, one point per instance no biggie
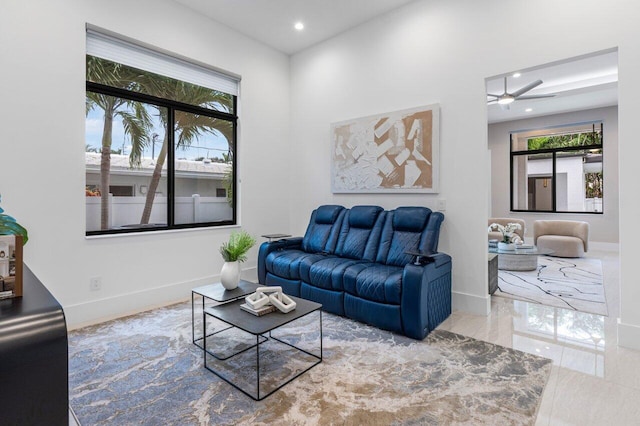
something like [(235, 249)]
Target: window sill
[(159, 232)]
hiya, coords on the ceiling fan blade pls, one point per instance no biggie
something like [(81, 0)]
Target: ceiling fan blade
[(526, 88), (493, 102), (495, 96), (534, 97)]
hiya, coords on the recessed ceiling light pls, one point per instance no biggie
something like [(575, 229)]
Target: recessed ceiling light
[(528, 110), (516, 74), (299, 26)]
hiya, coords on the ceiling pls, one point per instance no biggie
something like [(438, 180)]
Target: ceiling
[(580, 83), (271, 21), (586, 82)]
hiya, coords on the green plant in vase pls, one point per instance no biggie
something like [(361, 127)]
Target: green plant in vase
[(9, 226), (234, 252), (11, 272)]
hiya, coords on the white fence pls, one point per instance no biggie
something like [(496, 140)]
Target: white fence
[(127, 211)]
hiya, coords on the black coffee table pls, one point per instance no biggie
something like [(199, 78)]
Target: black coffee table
[(260, 327), (217, 293)]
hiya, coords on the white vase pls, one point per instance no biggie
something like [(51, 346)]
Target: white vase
[(230, 275), (506, 246)]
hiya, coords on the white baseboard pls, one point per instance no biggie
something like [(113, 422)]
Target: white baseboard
[(595, 245), (470, 303), (108, 308), (628, 335)]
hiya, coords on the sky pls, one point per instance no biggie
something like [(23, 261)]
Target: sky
[(208, 145)]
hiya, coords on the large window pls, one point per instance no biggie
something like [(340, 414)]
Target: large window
[(558, 170), (159, 150)]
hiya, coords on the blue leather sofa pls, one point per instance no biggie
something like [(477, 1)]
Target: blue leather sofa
[(357, 262)]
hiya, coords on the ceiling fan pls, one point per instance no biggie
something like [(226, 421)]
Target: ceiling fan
[(506, 98)]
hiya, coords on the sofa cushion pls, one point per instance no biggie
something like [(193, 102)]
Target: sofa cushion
[(410, 219), (562, 245), (363, 216), (326, 273), (286, 263), (568, 228), (328, 214), (373, 281), (323, 230), (360, 232), (408, 229), (401, 243)]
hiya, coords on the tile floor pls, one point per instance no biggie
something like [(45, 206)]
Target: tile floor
[(593, 381)]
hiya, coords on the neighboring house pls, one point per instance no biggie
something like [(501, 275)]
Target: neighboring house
[(205, 178), (200, 188)]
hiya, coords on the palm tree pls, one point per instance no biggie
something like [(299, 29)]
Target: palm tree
[(188, 127), (134, 116)]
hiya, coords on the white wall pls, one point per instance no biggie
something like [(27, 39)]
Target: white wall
[(602, 227), (439, 51), (42, 116), (429, 51)]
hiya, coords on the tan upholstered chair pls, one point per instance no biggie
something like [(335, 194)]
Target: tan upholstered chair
[(567, 238), (496, 235)]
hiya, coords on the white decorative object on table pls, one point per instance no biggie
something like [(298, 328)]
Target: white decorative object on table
[(260, 298), (276, 298), (269, 289), (283, 302), (257, 300), (509, 237), (506, 247)]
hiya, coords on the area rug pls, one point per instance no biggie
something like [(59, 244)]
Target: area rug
[(575, 284), (144, 370)]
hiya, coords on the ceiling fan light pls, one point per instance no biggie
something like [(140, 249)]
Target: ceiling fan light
[(506, 100)]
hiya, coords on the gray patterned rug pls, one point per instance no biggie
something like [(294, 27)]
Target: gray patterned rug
[(144, 370), (575, 284)]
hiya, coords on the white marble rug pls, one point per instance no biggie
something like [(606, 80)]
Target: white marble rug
[(575, 284), (144, 370)]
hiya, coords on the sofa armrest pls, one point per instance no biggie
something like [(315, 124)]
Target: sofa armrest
[(423, 258), (271, 246), (426, 295)]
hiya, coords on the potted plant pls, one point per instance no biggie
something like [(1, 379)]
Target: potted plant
[(509, 237), (234, 252), (9, 226)]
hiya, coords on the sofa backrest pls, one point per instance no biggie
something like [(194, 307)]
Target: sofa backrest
[(568, 228), (360, 233), (323, 230), (408, 229)]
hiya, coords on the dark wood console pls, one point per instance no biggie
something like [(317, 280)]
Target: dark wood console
[(34, 383)]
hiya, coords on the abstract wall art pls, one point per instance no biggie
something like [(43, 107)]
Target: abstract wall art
[(391, 152)]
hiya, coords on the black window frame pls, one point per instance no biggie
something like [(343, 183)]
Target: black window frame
[(173, 106), (553, 151)]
